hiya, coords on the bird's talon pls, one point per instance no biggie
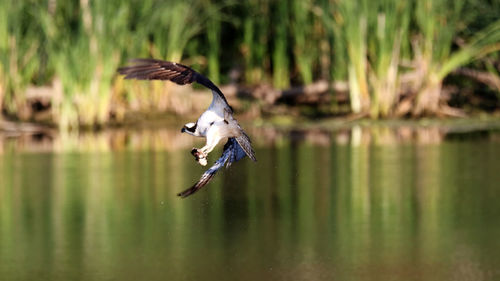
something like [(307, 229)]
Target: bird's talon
[(199, 156), (203, 161)]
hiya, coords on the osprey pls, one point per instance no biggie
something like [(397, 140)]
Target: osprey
[(215, 124)]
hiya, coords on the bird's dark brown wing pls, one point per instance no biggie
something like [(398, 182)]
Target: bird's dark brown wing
[(153, 69)]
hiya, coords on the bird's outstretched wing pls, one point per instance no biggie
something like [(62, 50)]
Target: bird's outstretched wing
[(246, 145), (232, 152), (242, 139), (153, 69)]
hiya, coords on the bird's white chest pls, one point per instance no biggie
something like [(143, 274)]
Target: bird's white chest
[(207, 119)]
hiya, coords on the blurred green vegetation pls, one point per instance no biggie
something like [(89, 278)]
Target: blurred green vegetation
[(394, 55)]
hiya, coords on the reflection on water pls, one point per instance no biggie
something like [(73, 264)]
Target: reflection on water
[(171, 139), (346, 205)]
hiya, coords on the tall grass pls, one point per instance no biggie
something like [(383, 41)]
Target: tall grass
[(354, 32), (85, 56), (174, 23), (371, 33), (216, 16), (213, 38), (20, 50), (376, 35), (439, 23), (331, 19), (255, 41), (280, 58), (389, 28), (303, 51), (75, 46)]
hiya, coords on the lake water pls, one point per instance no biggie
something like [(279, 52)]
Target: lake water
[(405, 204)]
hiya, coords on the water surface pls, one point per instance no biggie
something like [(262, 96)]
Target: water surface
[(335, 206)]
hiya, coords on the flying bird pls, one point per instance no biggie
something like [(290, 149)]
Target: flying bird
[(215, 124)]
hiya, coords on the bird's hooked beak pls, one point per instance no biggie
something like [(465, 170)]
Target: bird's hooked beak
[(189, 128)]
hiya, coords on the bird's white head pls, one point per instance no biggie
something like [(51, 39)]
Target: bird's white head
[(189, 128)]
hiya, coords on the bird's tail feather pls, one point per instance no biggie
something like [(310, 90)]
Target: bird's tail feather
[(207, 177), (210, 173), (245, 143), (233, 151)]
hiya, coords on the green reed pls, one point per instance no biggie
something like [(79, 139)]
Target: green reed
[(280, 61), (255, 42), (354, 32), (388, 29), (371, 32), (174, 23), (377, 37), (20, 50), (75, 47), (213, 37), (303, 52), (216, 17), (331, 20), (85, 58), (439, 22)]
